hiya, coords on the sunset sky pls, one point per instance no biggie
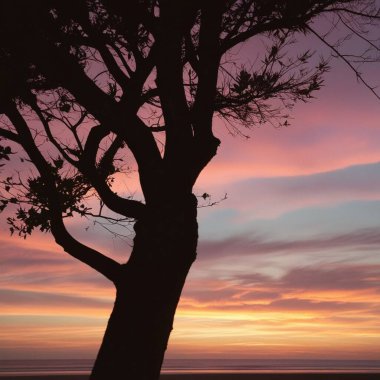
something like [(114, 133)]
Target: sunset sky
[(288, 265)]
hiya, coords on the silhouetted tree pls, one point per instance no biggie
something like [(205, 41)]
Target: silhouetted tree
[(86, 82)]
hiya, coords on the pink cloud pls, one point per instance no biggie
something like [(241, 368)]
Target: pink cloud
[(263, 197), (248, 245)]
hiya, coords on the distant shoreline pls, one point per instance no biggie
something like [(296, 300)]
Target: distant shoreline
[(224, 376), (199, 369)]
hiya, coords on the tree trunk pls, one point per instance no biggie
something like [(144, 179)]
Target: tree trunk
[(148, 292)]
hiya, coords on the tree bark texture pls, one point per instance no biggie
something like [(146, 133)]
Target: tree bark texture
[(148, 292)]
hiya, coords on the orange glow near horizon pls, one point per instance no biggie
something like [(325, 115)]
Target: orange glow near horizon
[(299, 323)]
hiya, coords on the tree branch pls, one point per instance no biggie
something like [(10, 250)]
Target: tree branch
[(9, 135), (175, 20), (116, 117), (272, 19), (345, 60), (87, 165), (33, 104), (101, 263), (355, 13), (206, 143)]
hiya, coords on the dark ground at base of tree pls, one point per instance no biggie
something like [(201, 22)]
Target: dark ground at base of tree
[(230, 376)]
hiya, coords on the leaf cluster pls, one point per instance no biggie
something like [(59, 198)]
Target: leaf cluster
[(34, 210), (5, 152)]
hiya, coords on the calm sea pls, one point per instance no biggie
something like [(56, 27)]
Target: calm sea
[(83, 366)]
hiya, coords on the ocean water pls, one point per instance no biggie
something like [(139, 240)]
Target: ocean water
[(83, 366)]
